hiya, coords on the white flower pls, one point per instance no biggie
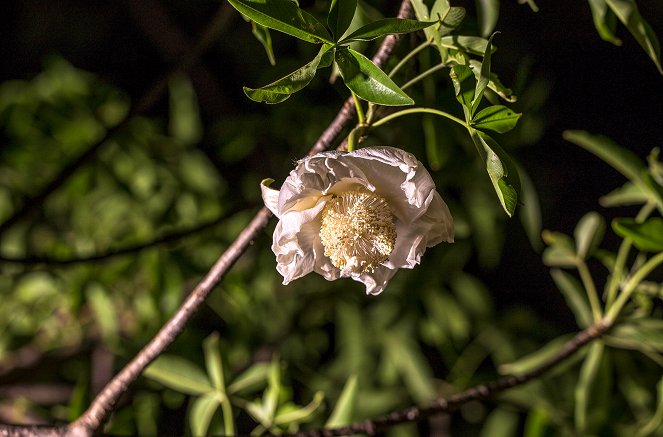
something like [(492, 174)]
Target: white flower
[(362, 215)]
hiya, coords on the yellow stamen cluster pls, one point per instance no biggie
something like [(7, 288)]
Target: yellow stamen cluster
[(358, 231)]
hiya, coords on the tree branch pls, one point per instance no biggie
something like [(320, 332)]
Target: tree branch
[(479, 392)]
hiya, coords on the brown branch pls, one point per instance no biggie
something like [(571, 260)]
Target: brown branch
[(102, 406), (32, 204), (476, 393)]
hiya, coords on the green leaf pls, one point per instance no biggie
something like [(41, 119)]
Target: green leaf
[(105, 315), (574, 295), (561, 251), (271, 395), (656, 422), (450, 20), (179, 374), (588, 233), (604, 21), (484, 75), (501, 170), (201, 413), (535, 359), (644, 334), (386, 26), (463, 87), (282, 89), (213, 361), (471, 44), (340, 16), (184, 121), (646, 236), (500, 423), (497, 118), (367, 81), (627, 194), (284, 16), (623, 160), (488, 12), (254, 375), (261, 33), (288, 415), (628, 14), (588, 372), (343, 413)]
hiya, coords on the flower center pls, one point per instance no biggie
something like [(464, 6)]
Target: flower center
[(358, 231)]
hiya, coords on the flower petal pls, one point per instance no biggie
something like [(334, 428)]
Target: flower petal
[(270, 196), (377, 281), (294, 239), (412, 239)]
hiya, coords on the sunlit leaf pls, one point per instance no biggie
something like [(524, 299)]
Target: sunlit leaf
[(298, 415), (586, 380), (647, 236), (213, 361), (343, 412), (604, 21), (488, 12), (588, 233), (340, 16), (643, 334), (627, 194), (104, 310), (574, 295), (184, 121), (502, 172), (464, 87), (179, 374), (500, 423), (483, 77), (284, 16), (471, 44), (201, 413), (623, 160), (560, 251), (386, 26), (451, 18), (255, 375), (282, 89), (628, 14), (497, 118), (261, 33), (366, 80), (535, 359)]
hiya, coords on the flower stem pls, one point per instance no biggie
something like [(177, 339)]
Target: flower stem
[(360, 110), (228, 420), (631, 285), (424, 75), (409, 56), (395, 115), (593, 296)]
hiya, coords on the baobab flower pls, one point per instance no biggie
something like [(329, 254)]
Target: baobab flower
[(362, 214)]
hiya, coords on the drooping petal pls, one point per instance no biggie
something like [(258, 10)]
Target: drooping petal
[(270, 196), (377, 281), (294, 238)]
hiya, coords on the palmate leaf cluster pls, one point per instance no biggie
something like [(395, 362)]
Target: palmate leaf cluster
[(261, 356)]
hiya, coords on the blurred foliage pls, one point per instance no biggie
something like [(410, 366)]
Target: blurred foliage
[(262, 356)]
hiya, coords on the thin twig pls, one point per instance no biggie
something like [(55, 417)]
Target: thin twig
[(479, 392), (32, 204)]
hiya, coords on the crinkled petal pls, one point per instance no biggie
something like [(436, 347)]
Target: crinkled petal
[(377, 281), (294, 239), (412, 239), (270, 196)]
